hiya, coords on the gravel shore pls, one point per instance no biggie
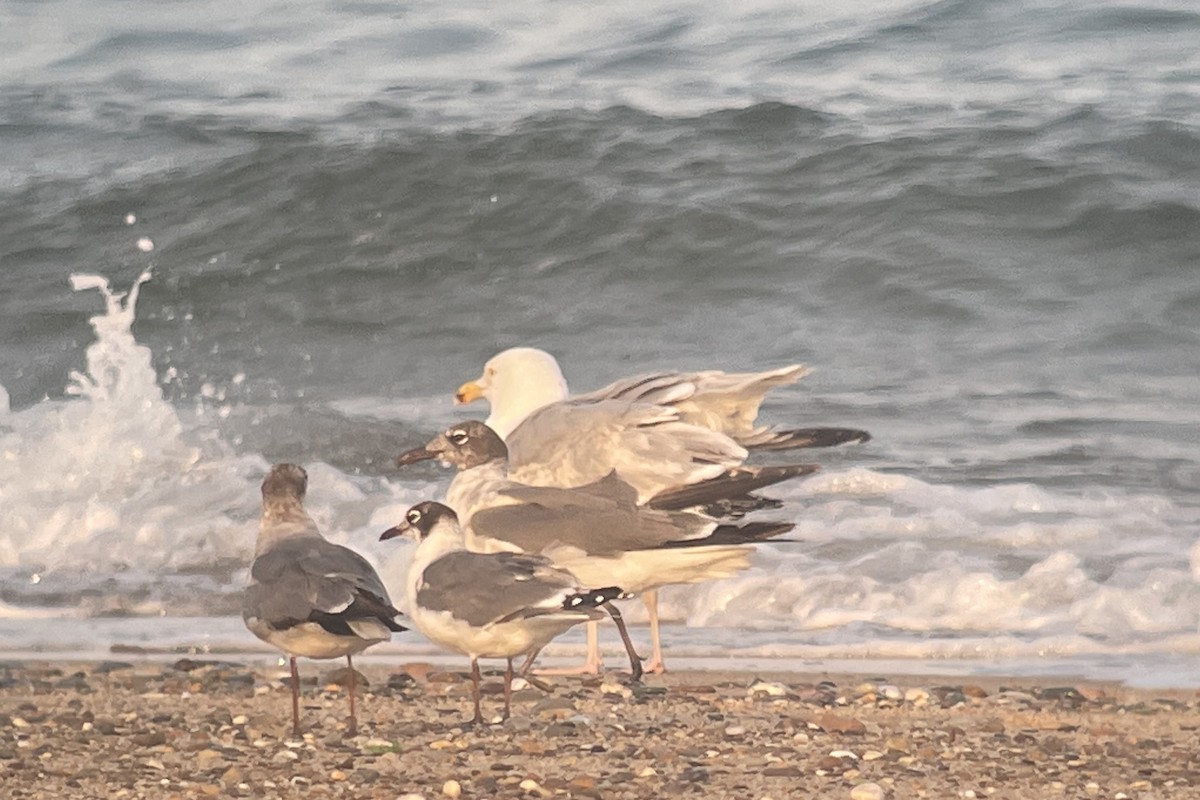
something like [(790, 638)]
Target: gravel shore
[(196, 728)]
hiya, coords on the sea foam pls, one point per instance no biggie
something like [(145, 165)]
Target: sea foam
[(108, 479)]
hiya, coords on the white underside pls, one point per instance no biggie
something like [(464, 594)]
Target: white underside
[(310, 640), (502, 640), (641, 570)]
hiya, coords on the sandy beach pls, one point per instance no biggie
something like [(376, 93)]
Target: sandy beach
[(196, 728)]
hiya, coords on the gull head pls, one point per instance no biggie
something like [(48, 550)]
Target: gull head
[(464, 446), (421, 520), (515, 383), (285, 481)]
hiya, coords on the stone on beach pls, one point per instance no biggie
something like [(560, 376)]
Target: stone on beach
[(127, 733)]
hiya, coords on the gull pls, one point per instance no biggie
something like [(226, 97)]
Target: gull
[(525, 385), (491, 605), (659, 432), (598, 531), (308, 596)]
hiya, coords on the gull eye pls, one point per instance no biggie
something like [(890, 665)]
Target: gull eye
[(413, 516), (458, 436), (490, 371)]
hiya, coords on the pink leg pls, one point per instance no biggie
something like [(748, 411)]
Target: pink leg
[(353, 729), (655, 665), (295, 698), (475, 679), (508, 679), (589, 667)]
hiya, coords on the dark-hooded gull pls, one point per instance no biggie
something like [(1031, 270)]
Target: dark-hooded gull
[(308, 596), (491, 605), (598, 531)]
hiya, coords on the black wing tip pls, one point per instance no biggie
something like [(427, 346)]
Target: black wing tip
[(800, 438), (738, 507), (339, 624), (593, 598), (749, 533), (736, 483), (762, 531), (782, 472)]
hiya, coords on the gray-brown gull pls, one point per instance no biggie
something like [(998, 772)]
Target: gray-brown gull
[(308, 596)]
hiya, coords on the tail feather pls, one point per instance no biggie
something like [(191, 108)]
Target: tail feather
[(749, 533), (797, 438), (736, 482), (738, 507), (592, 598)]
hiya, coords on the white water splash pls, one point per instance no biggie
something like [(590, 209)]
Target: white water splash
[(108, 479), (881, 558)]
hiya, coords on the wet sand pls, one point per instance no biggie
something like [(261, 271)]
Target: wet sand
[(196, 728)]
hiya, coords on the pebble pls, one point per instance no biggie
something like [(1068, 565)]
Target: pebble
[(829, 764), (376, 745), (554, 708), (531, 786), (867, 791), (724, 741), (417, 670), (768, 688), (105, 667), (833, 723)]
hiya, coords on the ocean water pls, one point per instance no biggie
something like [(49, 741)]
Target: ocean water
[(228, 240)]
